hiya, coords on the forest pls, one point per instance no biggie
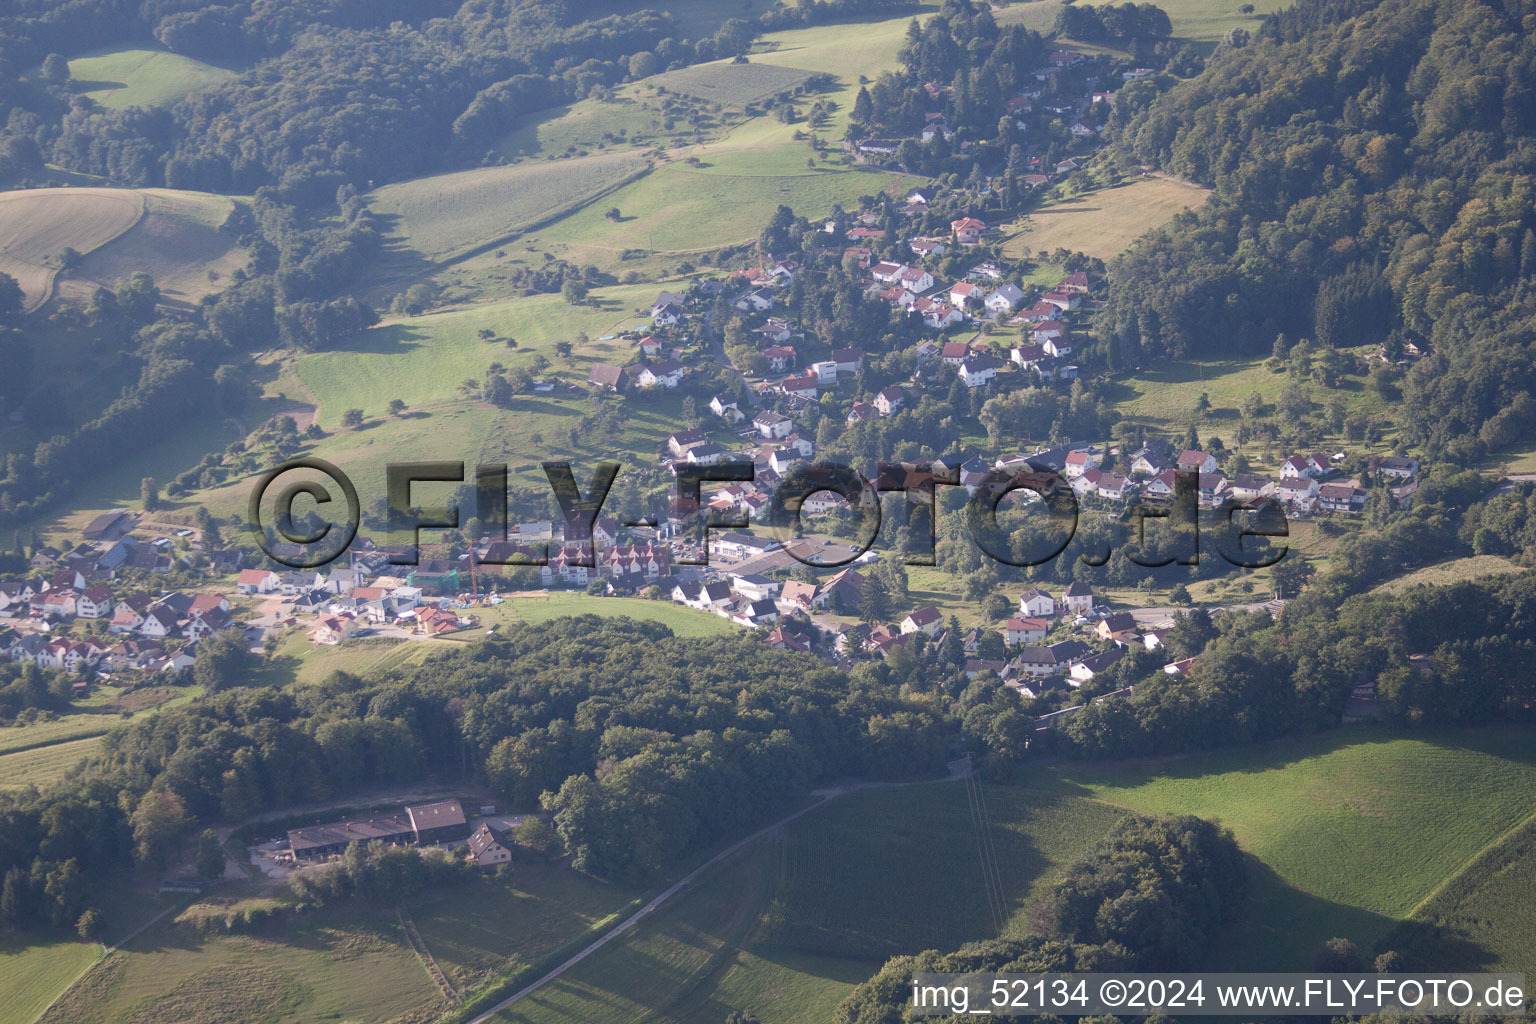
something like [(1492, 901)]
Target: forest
[(1373, 173)]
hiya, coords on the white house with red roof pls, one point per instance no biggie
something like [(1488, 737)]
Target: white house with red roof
[(1080, 462), (1025, 630), (258, 581), (968, 230), (964, 293), (1198, 461)]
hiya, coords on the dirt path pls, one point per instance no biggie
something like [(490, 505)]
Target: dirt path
[(957, 770)]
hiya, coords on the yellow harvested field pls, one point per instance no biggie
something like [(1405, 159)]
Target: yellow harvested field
[(1104, 223), (37, 224), (177, 242)]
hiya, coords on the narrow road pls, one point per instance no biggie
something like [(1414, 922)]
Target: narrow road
[(957, 771)]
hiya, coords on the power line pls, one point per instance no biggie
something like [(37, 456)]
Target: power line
[(973, 804)]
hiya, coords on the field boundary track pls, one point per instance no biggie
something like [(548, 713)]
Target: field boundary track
[(958, 770), (557, 214), (49, 273), (1467, 872)]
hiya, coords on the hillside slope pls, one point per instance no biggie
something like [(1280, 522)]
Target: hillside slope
[(1375, 181)]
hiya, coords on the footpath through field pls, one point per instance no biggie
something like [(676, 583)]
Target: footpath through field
[(958, 770)]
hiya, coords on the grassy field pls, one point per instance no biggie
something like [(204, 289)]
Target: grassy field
[(421, 360), (351, 964), (731, 85), (43, 765), (177, 242), (1163, 396), (788, 927), (1456, 570), (1203, 22), (1103, 223), (36, 225), (449, 215), (169, 234), (494, 928), (679, 211), (32, 974), (60, 730), (1494, 902), (142, 77), (682, 621), (1338, 824), (297, 661)]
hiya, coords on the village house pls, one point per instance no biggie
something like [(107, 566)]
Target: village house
[(1247, 487), (1083, 671), (727, 409), (1298, 491), (915, 280), (1340, 497), (1396, 466), (1037, 604), (978, 371), (964, 294), (888, 401), (487, 849), (1198, 461), (605, 377), (1005, 299), (772, 425), (807, 387), (1081, 461), (783, 640), (668, 374), (927, 619), (1077, 599), (257, 581), (1024, 631), (967, 230), (780, 358), (1119, 626)]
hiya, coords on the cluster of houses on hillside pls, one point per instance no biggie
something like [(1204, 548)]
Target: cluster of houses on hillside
[(1307, 483)]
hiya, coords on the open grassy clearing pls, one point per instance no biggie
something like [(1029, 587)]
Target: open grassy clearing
[(1494, 901), (1106, 222), (1455, 570), (1339, 822), (422, 360), (42, 766), (682, 621), (297, 661), (351, 964), (678, 210), (449, 215), (142, 77), (493, 927), (1203, 22), (1163, 394), (788, 927), (60, 730), (730, 84), (845, 51), (37, 224), (33, 973), (177, 242), (532, 429)]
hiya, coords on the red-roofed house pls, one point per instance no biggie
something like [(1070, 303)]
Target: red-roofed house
[(968, 230)]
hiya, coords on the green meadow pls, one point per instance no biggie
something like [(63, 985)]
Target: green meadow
[(142, 77), (1353, 829)]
